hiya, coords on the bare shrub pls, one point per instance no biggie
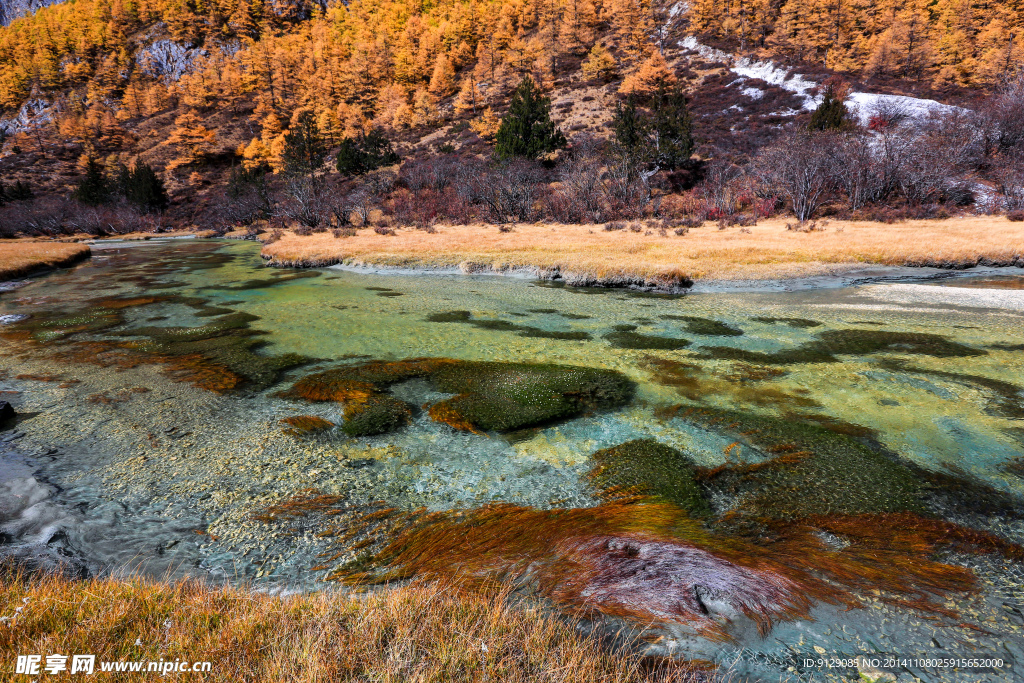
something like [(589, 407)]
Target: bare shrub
[(615, 225), (310, 202), (505, 228), (381, 230), (579, 197), (1009, 174), (798, 166), (681, 231), (720, 188), (509, 191), (344, 232), (1016, 216)]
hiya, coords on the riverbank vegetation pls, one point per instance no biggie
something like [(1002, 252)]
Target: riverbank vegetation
[(646, 252), (21, 257), (422, 632)]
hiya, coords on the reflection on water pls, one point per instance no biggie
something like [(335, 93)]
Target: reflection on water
[(185, 410)]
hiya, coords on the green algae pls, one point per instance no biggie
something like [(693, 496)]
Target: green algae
[(377, 414), (263, 283), (792, 322), (505, 396), (1007, 400), (506, 326), (624, 337), (705, 326), (810, 470), (832, 343), (649, 468), (58, 326)]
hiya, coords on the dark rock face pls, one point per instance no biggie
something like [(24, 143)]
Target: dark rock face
[(7, 415), (12, 9)]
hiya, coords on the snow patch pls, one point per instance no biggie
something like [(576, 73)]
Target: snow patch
[(863, 105), (753, 93)]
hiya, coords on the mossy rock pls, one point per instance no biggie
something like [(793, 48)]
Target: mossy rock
[(647, 467), (811, 471), (376, 414), (505, 396)]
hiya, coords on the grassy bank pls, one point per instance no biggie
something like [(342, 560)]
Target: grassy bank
[(414, 633), (590, 254), (21, 257)]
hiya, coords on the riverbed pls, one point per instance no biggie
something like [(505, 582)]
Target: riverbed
[(150, 439)]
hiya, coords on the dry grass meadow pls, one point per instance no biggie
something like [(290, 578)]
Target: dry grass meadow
[(419, 632), (21, 257), (764, 251)]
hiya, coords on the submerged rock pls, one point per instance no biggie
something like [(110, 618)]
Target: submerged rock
[(7, 415)]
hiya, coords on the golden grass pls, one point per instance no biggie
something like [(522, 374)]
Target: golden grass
[(419, 632), (21, 257), (769, 250)]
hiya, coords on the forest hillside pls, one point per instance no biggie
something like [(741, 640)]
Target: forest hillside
[(195, 104)]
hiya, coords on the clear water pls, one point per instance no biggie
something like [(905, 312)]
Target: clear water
[(127, 469)]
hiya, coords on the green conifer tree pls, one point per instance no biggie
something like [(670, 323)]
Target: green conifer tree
[(527, 129), (93, 189), (673, 127), (142, 187), (831, 114), (304, 147)]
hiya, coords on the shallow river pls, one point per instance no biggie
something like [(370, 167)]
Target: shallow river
[(149, 435)]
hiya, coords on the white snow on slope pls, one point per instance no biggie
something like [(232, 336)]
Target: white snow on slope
[(863, 105)]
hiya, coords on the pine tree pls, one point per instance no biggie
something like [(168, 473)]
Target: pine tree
[(831, 114), (527, 129), (142, 187), (304, 148), (673, 128), (20, 191), (93, 189), (369, 151), (632, 130)]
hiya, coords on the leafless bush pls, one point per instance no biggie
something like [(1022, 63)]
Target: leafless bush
[(681, 231), (435, 173), (1016, 216), (1009, 174), (1004, 115), (509, 191), (309, 201), (799, 167), (505, 228), (274, 236), (720, 188), (381, 230), (614, 225), (580, 197)]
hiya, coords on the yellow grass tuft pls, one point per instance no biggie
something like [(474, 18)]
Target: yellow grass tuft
[(418, 632), (21, 257), (767, 251)]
